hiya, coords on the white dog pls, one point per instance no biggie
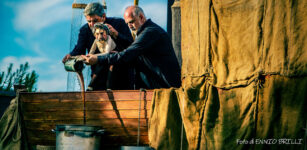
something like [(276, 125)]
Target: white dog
[(103, 42)]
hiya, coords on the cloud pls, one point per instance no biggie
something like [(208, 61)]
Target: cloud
[(39, 14), (57, 79), (52, 76), (56, 83), (33, 62), (117, 9), (30, 44)]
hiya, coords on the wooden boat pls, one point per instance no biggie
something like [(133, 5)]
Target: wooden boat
[(115, 111)]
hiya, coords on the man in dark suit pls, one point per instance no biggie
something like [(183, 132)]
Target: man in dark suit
[(151, 53), (119, 32)]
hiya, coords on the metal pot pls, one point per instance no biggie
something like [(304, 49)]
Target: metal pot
[(81, 137), (74, 65)]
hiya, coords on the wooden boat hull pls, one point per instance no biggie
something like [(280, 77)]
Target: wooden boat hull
[(117, 112)]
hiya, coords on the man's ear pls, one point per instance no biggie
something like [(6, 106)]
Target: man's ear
[(142, 17), (103, 17)]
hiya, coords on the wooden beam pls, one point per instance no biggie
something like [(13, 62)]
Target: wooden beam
[(136, 2)]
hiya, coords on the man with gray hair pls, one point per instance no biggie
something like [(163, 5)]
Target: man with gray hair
[(151, 53), (120, 33)]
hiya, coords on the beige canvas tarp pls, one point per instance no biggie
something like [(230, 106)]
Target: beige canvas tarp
[(11, 125), (270, 110), (244, 78), (235, 41)]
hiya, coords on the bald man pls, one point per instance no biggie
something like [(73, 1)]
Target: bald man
[(151, 53)]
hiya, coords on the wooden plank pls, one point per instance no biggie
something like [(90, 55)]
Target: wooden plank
[(78, 114), (118, 105), (116, 114), (37, 97), (53, 115), (90, 96), (106, 123), (46, 106), (123, 95), (57, 121), (78, 5)]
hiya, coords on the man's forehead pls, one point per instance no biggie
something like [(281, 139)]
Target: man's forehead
[(130, 10), (128, 14), (98, 30), (92, 17), (129, 19)]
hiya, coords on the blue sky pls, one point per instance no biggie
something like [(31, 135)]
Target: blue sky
[(38, 31)]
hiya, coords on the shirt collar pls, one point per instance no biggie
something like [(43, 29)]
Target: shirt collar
[(147, 22)]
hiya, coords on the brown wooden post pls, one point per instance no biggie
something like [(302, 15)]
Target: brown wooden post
[(169, 17), (176, 29), (136, 2)]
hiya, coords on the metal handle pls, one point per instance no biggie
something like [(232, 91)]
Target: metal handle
[(100, 132)]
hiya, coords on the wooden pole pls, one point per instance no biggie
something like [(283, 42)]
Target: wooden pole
[(136, 2), (169, 17), (176, 30)]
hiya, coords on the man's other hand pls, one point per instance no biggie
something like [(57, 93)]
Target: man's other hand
[(113, 32), (90, 59), (66, 57)]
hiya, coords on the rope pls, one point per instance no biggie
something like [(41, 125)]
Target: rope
[(181, 138)]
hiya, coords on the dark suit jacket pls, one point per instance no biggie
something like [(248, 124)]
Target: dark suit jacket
[(153, 56)]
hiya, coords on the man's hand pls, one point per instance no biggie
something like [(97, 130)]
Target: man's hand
[(90, 59), (66, 57), (113, 31)]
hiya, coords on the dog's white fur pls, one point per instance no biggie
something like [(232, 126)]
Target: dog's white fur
[(104, 47)]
